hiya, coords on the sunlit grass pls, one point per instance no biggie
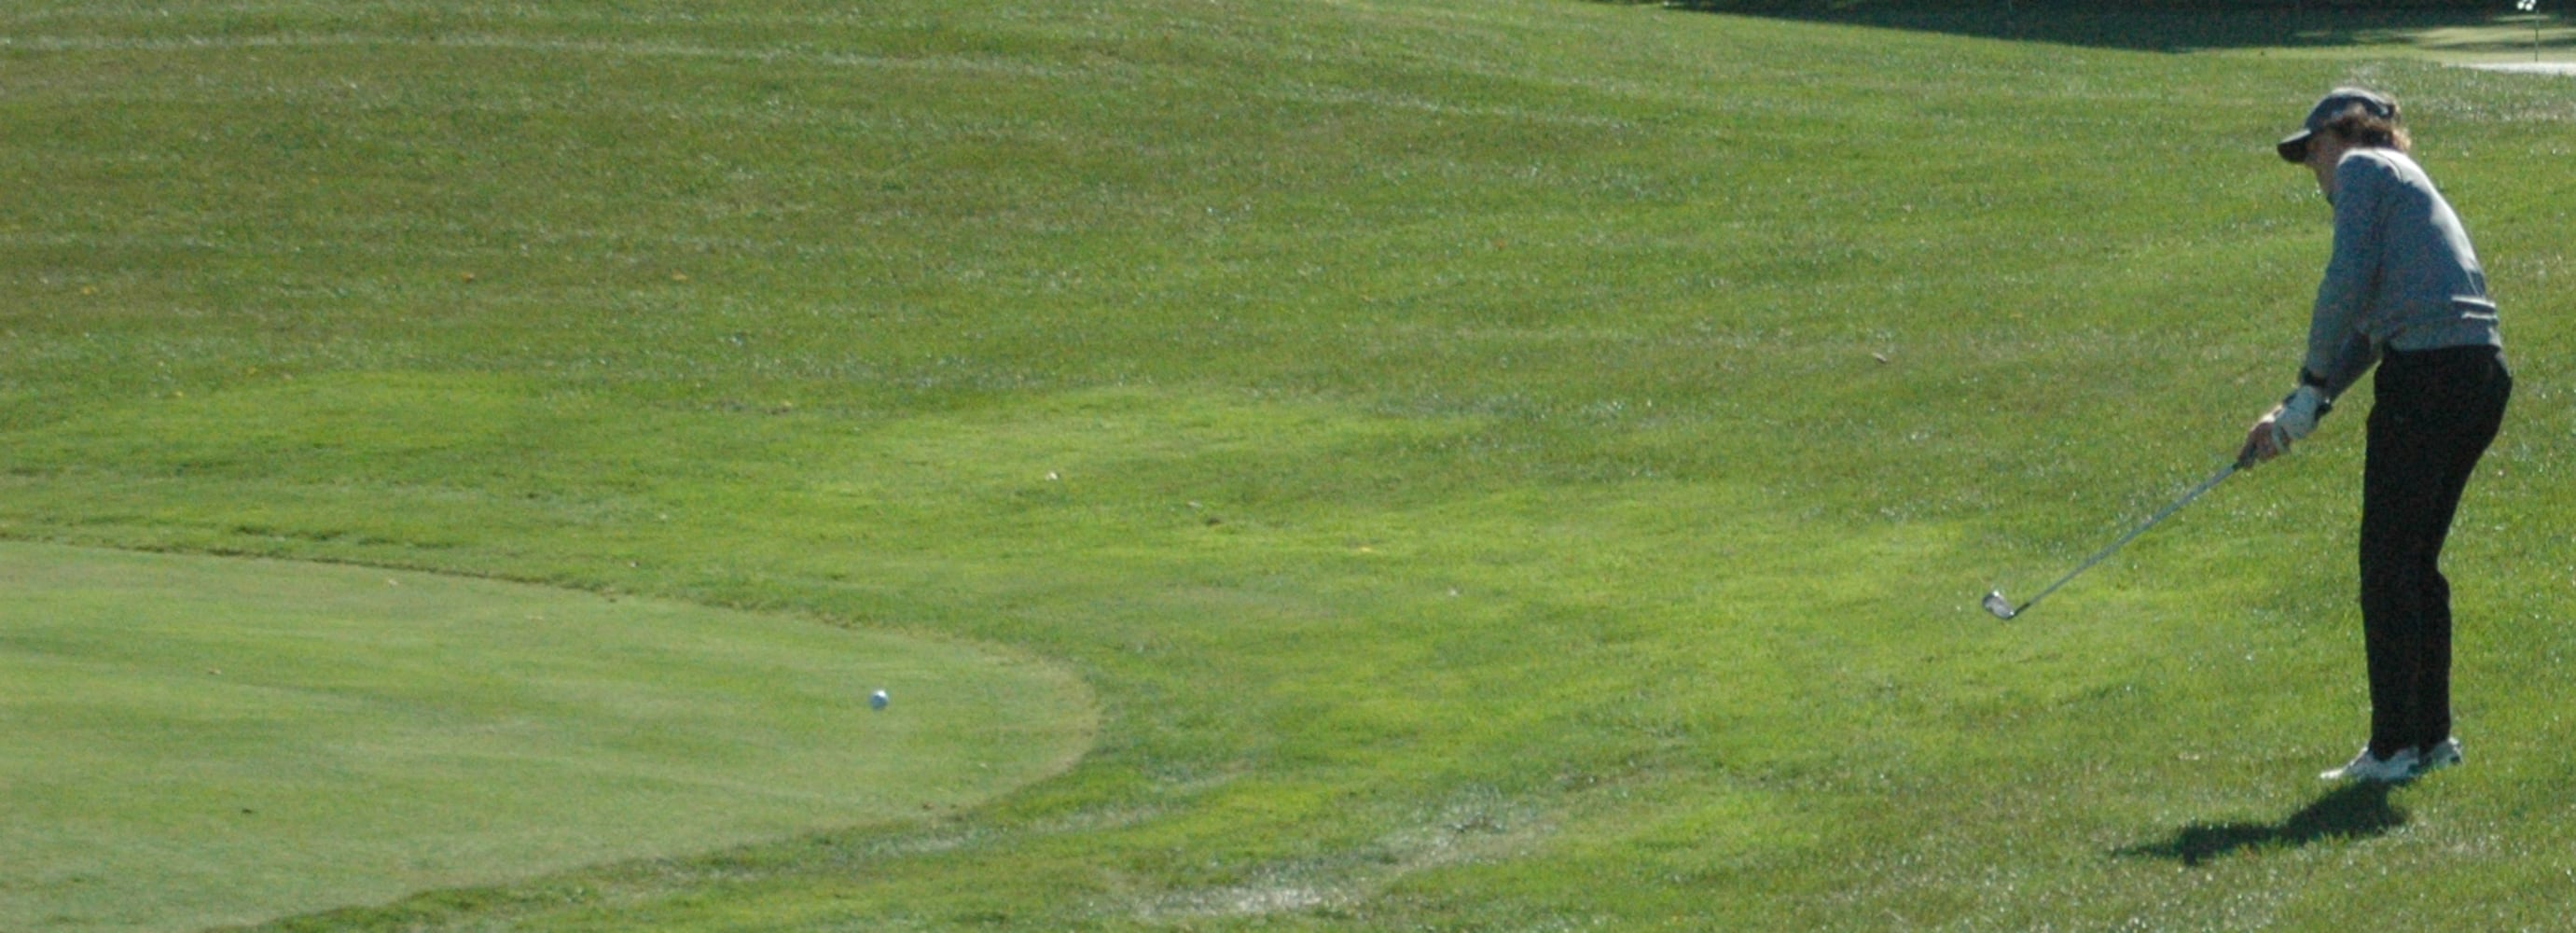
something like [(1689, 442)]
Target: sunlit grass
[(1501, 464), (195, 741)]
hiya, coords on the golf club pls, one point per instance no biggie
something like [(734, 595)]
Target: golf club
[(2004, 609)]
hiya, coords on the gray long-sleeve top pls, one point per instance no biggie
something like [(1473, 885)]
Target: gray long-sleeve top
[(2403, 274)]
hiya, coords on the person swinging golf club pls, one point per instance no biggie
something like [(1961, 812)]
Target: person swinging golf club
[(2402, 290)]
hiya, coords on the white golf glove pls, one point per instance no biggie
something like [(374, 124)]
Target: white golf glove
[(2286, 422), (2299, 412)]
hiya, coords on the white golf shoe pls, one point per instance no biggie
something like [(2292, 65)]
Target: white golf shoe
[(2404, 765), (2439, 755)]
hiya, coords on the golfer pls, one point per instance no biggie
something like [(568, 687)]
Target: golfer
[(2403, 291)]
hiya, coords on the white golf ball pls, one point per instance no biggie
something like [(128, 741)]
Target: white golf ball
[(878, 700)]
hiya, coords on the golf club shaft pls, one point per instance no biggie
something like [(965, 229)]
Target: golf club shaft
[(2213, 480)]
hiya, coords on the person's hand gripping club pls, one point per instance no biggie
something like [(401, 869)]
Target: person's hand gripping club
[(2272, 434)]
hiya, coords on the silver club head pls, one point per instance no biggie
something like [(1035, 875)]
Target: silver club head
[(2001, 607)]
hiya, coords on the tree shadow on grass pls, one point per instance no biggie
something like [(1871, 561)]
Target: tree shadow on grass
[(2169, 25), (2358, 810)]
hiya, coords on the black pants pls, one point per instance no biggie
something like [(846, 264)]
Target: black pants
[(2434, 414)]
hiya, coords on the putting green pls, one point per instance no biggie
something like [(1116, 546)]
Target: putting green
[(193, 741)]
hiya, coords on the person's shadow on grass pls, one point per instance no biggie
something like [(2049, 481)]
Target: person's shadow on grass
[(2359, 810)]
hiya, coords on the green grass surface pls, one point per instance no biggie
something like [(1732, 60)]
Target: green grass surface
[(194, 740), (1501, 464)]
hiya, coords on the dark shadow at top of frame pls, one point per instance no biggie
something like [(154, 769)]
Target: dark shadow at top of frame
[(2145, 25)]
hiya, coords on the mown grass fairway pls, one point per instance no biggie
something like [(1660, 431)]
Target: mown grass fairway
[(194, 740), (1501, 464)]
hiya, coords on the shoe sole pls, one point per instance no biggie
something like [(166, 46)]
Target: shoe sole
[(2413, 770), (2338, 775)]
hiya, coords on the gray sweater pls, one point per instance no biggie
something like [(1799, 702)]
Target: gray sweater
[(2403, 274)]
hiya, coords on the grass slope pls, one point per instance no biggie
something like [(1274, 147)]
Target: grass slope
[(194, 740), (1502, 464)]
